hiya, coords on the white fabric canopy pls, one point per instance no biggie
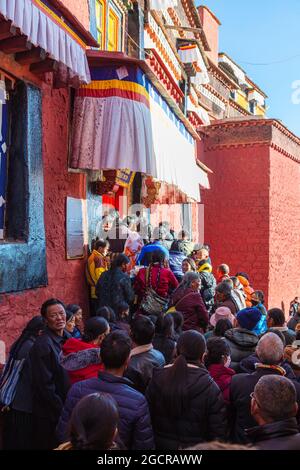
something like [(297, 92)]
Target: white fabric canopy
[(42, 31), (189, 55), (162, 4), (174, 149), (192, 54)]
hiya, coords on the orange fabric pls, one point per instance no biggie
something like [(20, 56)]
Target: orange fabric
[(248, 290)]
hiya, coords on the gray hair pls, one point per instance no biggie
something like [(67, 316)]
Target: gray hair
[(276, 397), (188, 278), (270, 349), (224, 288)]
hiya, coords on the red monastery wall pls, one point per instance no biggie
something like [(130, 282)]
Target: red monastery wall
[(252, 212)]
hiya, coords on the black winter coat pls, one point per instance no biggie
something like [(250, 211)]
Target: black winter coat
[(281, 435), (240, 388), (113, 288), (242, 344), (204, 420), (50, 382)]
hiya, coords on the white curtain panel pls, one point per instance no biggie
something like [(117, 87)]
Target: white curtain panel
[(162, 4), (174, 149), (190, 55), (42, 31)]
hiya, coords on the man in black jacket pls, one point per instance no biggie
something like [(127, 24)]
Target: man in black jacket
[(114, 286), (270, 354), (274, 407), (143, 357), (49, 380)]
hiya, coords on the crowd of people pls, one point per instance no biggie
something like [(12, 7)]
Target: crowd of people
[(170, 357)]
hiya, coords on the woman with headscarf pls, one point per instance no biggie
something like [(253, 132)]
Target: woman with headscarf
[(18, 423)]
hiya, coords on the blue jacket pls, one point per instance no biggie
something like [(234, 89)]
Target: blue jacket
[(135, 427), (175, 263), (155, 246)]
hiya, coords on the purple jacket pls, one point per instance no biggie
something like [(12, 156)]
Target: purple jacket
[(135, 427)]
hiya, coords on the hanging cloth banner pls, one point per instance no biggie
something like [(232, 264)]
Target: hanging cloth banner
[(189, 54), (112, 122), (162, 4), (125, 123), (44, 27), (192, 54)]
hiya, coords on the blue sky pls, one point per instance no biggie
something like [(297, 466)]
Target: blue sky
[(265, 31)]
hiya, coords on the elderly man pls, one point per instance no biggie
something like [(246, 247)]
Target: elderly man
[(276, 418), (270, 353), (224, 297)]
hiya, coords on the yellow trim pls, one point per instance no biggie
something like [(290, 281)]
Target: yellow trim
[(103, 30), (242, 100), (260, 111), (116, 24), (62, 23), (107, 84)]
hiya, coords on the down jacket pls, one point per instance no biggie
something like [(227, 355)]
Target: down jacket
[(203, 421), (175, 263), (242, 344), (135, 428)]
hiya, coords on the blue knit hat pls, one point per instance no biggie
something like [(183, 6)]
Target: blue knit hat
[(249, 317)]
